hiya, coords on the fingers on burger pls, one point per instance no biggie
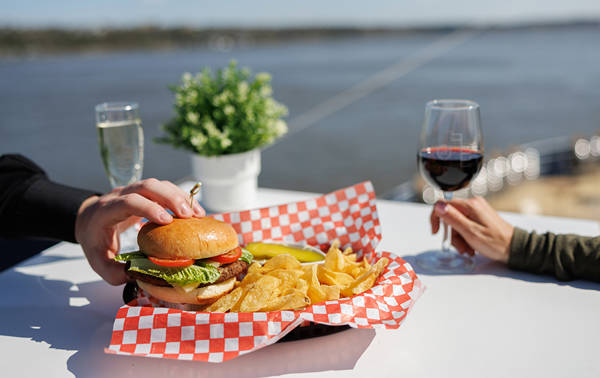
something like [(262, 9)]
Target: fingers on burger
[(191, 261)]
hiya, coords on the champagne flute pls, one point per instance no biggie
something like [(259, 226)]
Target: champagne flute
[(121, 141), (450, 155)]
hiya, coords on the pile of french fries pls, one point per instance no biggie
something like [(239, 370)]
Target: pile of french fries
[(282, 283)]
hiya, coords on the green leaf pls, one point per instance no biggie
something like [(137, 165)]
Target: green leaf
[(202, 273), (129, 256), (246, 256)]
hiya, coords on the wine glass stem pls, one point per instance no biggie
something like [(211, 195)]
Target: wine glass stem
[(447, 240)]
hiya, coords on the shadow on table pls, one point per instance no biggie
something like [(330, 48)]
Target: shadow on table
[(21, 249), (62, 319), (489, 267)]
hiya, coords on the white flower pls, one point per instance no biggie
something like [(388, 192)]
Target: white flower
[(225, 96), (186, 77), (263, 77), (192, 118), (220, 99), (270, 107), (280, 127), (228, 110), (198, 139), (211, 129), (225, 142), (178, 99), (191, 96), (266, 91), (243, 88)]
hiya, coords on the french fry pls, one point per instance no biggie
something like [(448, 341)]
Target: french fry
[(226, 302), (288, 277), (302, 286), (254, 268), (291, 300), (366, 280), (335, 244), (260, 293), (331, 292), (314, 292), (281, 262), (331, 277)]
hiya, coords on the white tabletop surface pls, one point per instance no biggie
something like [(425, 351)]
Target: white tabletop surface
[(56, 318)]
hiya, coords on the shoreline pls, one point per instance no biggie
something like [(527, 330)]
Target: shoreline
[(24, 42)]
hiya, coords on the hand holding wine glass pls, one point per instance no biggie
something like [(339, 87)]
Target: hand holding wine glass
[(449, 156), (476, 226)]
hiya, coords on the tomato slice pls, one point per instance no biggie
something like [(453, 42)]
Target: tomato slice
[(168, 262), (228, 257)]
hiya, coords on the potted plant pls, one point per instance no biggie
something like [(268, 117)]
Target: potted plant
[(224, 119)]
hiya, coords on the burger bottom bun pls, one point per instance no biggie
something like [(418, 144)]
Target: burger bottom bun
[(201, 296)]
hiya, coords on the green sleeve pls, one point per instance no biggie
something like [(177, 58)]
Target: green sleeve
[(567, 257)]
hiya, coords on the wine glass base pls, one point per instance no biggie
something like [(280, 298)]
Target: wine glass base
[(445, 262)]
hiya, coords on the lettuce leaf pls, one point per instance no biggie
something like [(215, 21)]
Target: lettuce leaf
[(129, 256), (202, 273), (246, 256)]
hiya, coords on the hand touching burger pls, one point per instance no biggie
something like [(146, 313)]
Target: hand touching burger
[(188, 261)]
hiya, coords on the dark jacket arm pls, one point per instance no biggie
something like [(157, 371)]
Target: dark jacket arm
[(565, 256), (33, 206)]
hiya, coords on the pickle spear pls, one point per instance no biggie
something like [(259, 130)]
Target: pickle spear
[(268, 250)]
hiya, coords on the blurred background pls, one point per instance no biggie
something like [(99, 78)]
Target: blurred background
[(355, 78)]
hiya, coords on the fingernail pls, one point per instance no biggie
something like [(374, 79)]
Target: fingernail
[(198, 209), (165, 217), (440, 208), (185, 210)]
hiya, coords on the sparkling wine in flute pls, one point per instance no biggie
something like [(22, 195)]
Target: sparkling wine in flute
[(122, 150)]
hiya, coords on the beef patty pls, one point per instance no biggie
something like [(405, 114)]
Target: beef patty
[(234, 269)]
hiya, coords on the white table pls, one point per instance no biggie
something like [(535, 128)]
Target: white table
[(56, 318)]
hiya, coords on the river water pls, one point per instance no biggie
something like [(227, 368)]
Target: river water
[(530, 83)]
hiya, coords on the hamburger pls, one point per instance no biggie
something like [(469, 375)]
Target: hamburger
[(190, 261)]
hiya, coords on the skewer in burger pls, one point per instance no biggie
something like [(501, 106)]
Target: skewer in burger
[(191, 261)]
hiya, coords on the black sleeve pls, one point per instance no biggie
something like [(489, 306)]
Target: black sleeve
[(33, 206), (565, 256)]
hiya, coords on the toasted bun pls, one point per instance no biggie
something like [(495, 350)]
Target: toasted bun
[(191, 238), (201, 296)]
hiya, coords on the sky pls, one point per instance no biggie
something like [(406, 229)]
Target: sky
[(272, 13)]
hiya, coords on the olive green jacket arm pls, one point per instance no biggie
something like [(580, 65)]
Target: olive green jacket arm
[(567, 257)]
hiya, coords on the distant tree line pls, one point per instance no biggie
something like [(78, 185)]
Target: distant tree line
[(19, 41)]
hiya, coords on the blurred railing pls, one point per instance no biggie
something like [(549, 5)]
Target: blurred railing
[(553, 156)]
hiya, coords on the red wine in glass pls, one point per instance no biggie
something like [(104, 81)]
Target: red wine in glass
[(449, 168), (449, 156)]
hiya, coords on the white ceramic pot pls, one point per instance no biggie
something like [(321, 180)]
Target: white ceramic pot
[(229, 182)]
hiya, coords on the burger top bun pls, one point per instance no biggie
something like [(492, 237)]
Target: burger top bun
[(191, 238)]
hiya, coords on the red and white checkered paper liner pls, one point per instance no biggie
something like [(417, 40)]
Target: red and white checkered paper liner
[(141, 328)]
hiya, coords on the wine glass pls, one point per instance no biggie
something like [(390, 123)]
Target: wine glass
[(450, 155), (121, 141)]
